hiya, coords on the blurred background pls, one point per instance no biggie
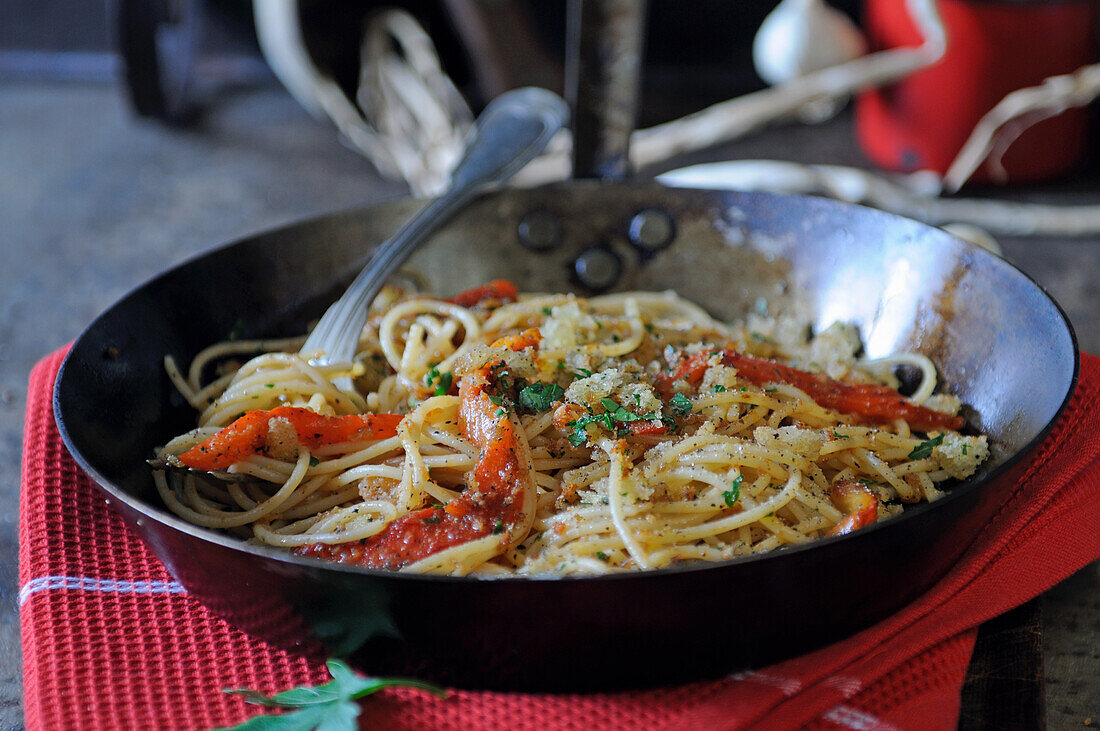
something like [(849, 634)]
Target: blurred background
[(484, 46), (136, 133)]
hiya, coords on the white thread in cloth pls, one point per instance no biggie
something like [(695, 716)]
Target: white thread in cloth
[(846, 685), (856, 719), (109, 585)]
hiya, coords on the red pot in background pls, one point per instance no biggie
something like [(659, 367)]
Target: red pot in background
[(993, 47)]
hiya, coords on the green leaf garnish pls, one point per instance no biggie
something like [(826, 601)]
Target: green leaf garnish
[(330, 706), (621, 415), (680, 405), (615, 414), (540, 396), (924, 449), (731, 495), (445, 381), (580, 435)]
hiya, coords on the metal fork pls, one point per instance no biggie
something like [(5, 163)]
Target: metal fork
[(513, 129)]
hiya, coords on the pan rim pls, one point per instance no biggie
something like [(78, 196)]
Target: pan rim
[(171, 521)]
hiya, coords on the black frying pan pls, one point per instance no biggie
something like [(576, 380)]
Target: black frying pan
[(1000, 342)]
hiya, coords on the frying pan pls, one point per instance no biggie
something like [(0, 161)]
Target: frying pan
[(1002, 345)]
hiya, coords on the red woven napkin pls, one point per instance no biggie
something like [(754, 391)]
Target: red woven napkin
[(111, 641)]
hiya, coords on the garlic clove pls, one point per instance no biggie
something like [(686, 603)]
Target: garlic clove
[(802, 36)]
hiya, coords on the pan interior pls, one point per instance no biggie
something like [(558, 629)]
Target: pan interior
[(1001, 344)]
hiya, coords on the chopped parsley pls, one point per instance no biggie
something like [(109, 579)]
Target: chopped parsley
[(442, 380), (680, 405), (620, 414), (601, 555), (313, 461), (498, 527), (547, 311), (731, 495), (579, 435), (540, 396), (582, 373), (718, 388), (615, 414), (431, 520), (924, 449)]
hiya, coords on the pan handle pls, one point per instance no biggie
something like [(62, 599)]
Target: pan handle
[(604, 48)]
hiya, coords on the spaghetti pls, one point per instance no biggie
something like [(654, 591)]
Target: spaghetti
[(498, 433)]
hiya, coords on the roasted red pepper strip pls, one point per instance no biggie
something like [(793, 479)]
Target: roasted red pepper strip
[(501, 499), (247, 435), (690, 370), (858, 503), (870, 402), (498, 289)]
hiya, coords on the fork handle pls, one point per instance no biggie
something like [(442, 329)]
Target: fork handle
[(514, 128)]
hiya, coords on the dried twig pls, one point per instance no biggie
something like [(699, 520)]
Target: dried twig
[(915, 196), (1014, 114)]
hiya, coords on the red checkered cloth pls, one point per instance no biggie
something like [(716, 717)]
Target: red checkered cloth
[(111, 641)]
